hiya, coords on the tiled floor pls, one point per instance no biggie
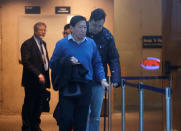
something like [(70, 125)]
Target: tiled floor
[(152, 122)]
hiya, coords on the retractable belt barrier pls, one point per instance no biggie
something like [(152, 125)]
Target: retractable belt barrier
[(141, 86)]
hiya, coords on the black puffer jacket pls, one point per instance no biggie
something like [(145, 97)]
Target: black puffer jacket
[(109, 54)]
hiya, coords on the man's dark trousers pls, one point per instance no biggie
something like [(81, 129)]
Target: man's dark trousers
[(74, 111), (31, 109)]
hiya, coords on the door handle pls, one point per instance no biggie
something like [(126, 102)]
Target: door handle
[(169, 67)]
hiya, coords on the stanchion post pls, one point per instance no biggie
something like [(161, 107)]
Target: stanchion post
[(141, 97), (105, 109), (109, 103), (168, 108), (123, 104)]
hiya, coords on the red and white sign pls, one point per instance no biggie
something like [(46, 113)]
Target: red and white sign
[(151, 63)]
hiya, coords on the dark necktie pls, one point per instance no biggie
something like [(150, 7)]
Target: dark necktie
[(42, 52)]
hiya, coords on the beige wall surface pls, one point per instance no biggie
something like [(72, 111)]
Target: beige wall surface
[(12, 18), (132, 20)]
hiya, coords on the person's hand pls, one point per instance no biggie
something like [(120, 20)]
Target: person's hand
[(74, 60), (116, 84), (104, 84), (41, 78)]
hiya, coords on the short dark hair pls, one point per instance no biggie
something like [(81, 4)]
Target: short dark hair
[(97, 14), (67, 26), (38, 24), (76, 19)]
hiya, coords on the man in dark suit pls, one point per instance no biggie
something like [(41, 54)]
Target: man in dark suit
[(35, 77)]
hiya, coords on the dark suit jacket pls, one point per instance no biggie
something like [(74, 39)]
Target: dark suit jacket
[(33, 64), (65, 74)]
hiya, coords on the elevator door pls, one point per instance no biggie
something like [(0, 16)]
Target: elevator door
[(172, 54)]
